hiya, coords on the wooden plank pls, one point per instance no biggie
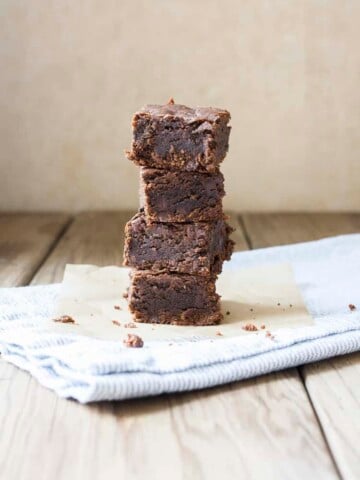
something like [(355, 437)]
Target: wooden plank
[(25, 240), (246, 430), (333, 385), (260, 428), (266, 230), (94, 237), (334, 389)]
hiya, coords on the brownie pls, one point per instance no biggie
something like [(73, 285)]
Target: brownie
[(174, 298), (169, 196), (193, 248), (176, 137)]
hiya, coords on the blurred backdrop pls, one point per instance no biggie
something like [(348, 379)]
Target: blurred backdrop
[(73, 72)]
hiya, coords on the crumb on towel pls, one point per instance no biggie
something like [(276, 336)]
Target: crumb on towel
[(130, 325), (250, 327), (133, 341)]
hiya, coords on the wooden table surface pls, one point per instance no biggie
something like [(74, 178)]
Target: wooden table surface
[(302, 423)]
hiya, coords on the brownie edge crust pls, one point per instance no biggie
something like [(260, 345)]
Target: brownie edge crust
[(176, 299)]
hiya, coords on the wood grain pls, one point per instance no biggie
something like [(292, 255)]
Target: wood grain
[(261, 428), (93, 237), (25, 240), (333, 386), (266, 230)]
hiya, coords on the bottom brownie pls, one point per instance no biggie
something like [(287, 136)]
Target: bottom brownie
[(177, 299)]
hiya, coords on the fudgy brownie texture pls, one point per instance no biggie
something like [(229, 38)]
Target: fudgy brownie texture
[(173, 298), (169, 196), (176, 137), (193, 248)]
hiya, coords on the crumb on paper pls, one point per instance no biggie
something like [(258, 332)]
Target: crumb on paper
[(133, 341), (262, 327), (251, 309), (64, 319), (125, 295), (290, 305), (219, 334), (116, 322), (117, 307), (352, 307), (171, 101), (227, 313), (278, 304), (130, 325), (250, 327)]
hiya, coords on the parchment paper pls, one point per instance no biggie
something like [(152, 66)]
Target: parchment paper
[(263, 296)]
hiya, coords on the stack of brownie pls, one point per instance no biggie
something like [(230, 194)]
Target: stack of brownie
[(177, 242)]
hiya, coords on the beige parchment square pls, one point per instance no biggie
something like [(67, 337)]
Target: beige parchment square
[(264, 295)]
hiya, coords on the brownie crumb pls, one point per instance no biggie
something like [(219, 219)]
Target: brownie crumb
[(250, 327), (228, 313), (269, 335), (278, 304), (352, 307), (171, 101), (116, 322), (251, 309), (290, 305), (133, 341), (219, 334), (117, 307), (64, 319), (262, 327), (130, 325), (125, 295)]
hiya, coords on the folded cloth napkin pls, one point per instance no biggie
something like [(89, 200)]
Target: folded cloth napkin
[(87, 369)]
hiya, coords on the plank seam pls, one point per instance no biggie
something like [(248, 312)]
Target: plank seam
[(51, 248), (247, 237), (302, 378)]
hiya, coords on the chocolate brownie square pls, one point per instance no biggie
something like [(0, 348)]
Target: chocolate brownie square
[(193, 248), (173, 298), (176, 137), (169, 196)]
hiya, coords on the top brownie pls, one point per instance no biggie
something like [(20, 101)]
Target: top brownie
[(176, 137)]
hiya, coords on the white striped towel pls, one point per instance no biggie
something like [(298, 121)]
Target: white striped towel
[(87, 369)]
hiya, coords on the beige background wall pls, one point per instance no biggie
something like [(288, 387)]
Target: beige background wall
[(72, 73)]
